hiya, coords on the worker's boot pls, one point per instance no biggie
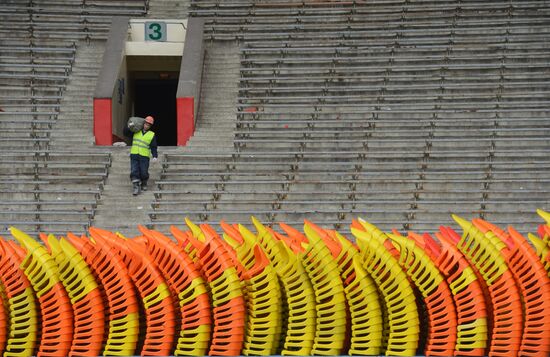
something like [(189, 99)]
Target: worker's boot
[(136, 187), (144, 185)]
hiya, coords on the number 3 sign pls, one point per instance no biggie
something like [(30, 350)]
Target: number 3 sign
[(155, 31)]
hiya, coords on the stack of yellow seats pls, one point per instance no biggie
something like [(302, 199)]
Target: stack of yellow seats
[(330, 299), (399, 300), (123, 307)]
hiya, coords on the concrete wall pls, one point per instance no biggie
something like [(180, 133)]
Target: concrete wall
[(121, 105), (104, 105), (189, 85), (112, 104)]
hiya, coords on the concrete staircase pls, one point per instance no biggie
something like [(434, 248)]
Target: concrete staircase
[(74, 126), (168, 9), (217, 119), (118, 210)]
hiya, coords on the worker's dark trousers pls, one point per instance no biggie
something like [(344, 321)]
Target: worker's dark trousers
[(139, 167)]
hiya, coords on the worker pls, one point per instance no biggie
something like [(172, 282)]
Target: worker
[(144, 145)]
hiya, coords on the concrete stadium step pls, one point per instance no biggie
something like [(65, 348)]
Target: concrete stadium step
[(168, 9), (75, 119), (118, 209), (216, 119)]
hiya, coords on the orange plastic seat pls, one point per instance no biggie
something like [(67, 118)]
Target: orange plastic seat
[(482, 252), (534, 284), (188, 287), (154, 293), (84, 294), (435, 292), (466, 293), (19, 322), (110, 272)]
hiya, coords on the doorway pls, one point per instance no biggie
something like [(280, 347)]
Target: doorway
[(157, 97)]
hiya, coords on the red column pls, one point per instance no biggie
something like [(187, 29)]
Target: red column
[(103, 123), (185, 119)]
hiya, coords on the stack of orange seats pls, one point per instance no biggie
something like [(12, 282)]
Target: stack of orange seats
[(84, 294), (472, 326), (155, 296), (506, 303), (122, 307), (188, 289), (534, 284)]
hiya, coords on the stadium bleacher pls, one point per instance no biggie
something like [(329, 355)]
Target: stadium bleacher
[(46, 186), (432, 104)]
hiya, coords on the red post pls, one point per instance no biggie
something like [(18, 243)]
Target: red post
[(103, 123), (185, 107)]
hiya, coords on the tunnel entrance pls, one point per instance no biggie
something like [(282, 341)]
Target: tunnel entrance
[(152, 89), (140, 76), (157, 97)]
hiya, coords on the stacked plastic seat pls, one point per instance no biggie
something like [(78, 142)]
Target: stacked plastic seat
[(228, 305), (399, 300), (262, 293), (3, 322), (190, 242), (331, 327), (241, 247), (278, 292), (263, 328), (300, 302), (122, 307), (55, 308), (534, 285), (155, 296), (189, 292), (483, 252), (84, 294), (442, 322), (542, 249), (472, 328), (542, 243), (20, 317), (366, 321), (298, 317), (266, 239), (299, 306)]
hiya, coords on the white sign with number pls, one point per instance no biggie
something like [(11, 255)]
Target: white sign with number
[(155, 31), (155, 37)]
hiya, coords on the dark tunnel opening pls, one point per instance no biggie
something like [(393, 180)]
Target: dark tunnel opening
[(157, 97)]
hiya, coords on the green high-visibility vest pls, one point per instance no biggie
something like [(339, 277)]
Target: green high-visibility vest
[(141, 143)]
